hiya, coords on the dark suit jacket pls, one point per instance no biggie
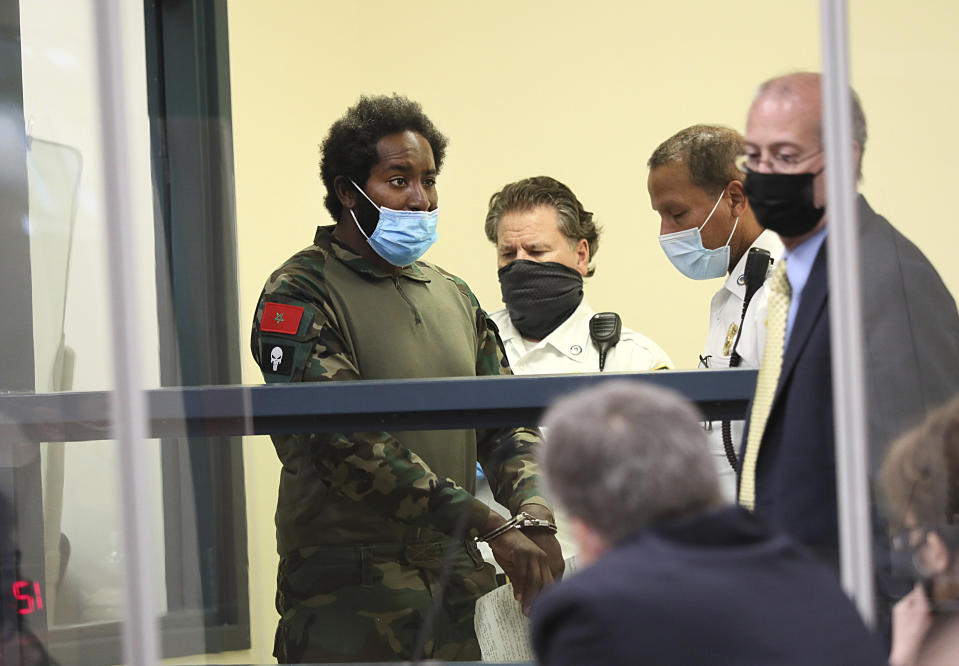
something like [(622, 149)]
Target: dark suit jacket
[(912, 365), (718, 588)]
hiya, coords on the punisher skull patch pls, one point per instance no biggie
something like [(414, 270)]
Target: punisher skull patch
[(276, 359)]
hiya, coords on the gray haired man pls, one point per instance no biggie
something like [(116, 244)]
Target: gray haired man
[(672, 572), (546, 242)]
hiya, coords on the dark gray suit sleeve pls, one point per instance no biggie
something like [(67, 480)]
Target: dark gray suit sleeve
[(912, 333)]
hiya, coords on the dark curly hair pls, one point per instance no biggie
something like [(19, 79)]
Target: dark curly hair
[(350, 147), (575, 222)]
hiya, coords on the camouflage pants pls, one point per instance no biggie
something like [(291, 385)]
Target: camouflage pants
[(372, 603)]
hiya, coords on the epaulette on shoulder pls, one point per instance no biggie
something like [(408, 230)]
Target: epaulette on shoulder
[(458, 281)]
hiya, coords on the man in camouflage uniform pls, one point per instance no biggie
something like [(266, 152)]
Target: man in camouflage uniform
[(366, 520)]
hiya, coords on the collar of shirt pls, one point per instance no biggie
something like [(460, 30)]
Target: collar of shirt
[(798, 268), (736, 281), (325, 240), (800, 260), (569, 336)]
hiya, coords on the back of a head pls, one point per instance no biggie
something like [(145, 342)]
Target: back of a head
[(709, 153), (575, 222), (621, 455), (920, 476)]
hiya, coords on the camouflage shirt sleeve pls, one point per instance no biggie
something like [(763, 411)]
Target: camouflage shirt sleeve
[(506, 454), (369, 467)]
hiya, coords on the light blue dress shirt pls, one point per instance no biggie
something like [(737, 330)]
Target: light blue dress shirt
[(799, 263)]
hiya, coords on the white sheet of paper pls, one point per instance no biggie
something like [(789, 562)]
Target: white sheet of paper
[(501, 627)]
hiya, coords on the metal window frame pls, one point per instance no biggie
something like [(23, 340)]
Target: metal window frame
[(188, 97), (396, 404), (22, 482)]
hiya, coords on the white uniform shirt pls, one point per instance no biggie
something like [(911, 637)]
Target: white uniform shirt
[(569, 349), (725, 315)]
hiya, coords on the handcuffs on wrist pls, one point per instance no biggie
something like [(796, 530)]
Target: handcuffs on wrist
[(521, 520)]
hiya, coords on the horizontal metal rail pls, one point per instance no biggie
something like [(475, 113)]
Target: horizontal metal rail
[(407, 404)]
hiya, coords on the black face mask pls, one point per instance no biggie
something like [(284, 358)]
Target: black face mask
[(783, 202), (539, 295)]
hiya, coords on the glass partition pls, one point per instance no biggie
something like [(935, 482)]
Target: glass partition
[(69, 593), (898, 66), (227, 103)]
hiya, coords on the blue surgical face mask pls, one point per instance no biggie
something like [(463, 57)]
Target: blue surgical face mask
[(401, 236), (686, 251)]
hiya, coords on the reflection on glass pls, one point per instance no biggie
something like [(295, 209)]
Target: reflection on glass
[(81, 561), (570, 140), (53, 179), (81, 554), (908, 273), (918, 483), (22, 598)]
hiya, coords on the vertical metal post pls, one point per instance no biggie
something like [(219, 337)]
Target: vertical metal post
[(845, 311), (16, 295), (140, 645)]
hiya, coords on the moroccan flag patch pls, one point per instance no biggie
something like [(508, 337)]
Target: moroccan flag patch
[(280, 318)]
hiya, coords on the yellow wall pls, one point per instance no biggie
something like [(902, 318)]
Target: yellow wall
[(582, 91)]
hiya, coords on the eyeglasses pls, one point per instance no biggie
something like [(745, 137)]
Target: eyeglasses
[(912, 539), (906, 544), (908, 538), (781, 162)]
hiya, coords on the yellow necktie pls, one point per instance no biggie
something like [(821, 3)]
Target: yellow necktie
[(768, 379)]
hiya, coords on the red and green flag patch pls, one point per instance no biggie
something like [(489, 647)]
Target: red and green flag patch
[(281, 318)]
